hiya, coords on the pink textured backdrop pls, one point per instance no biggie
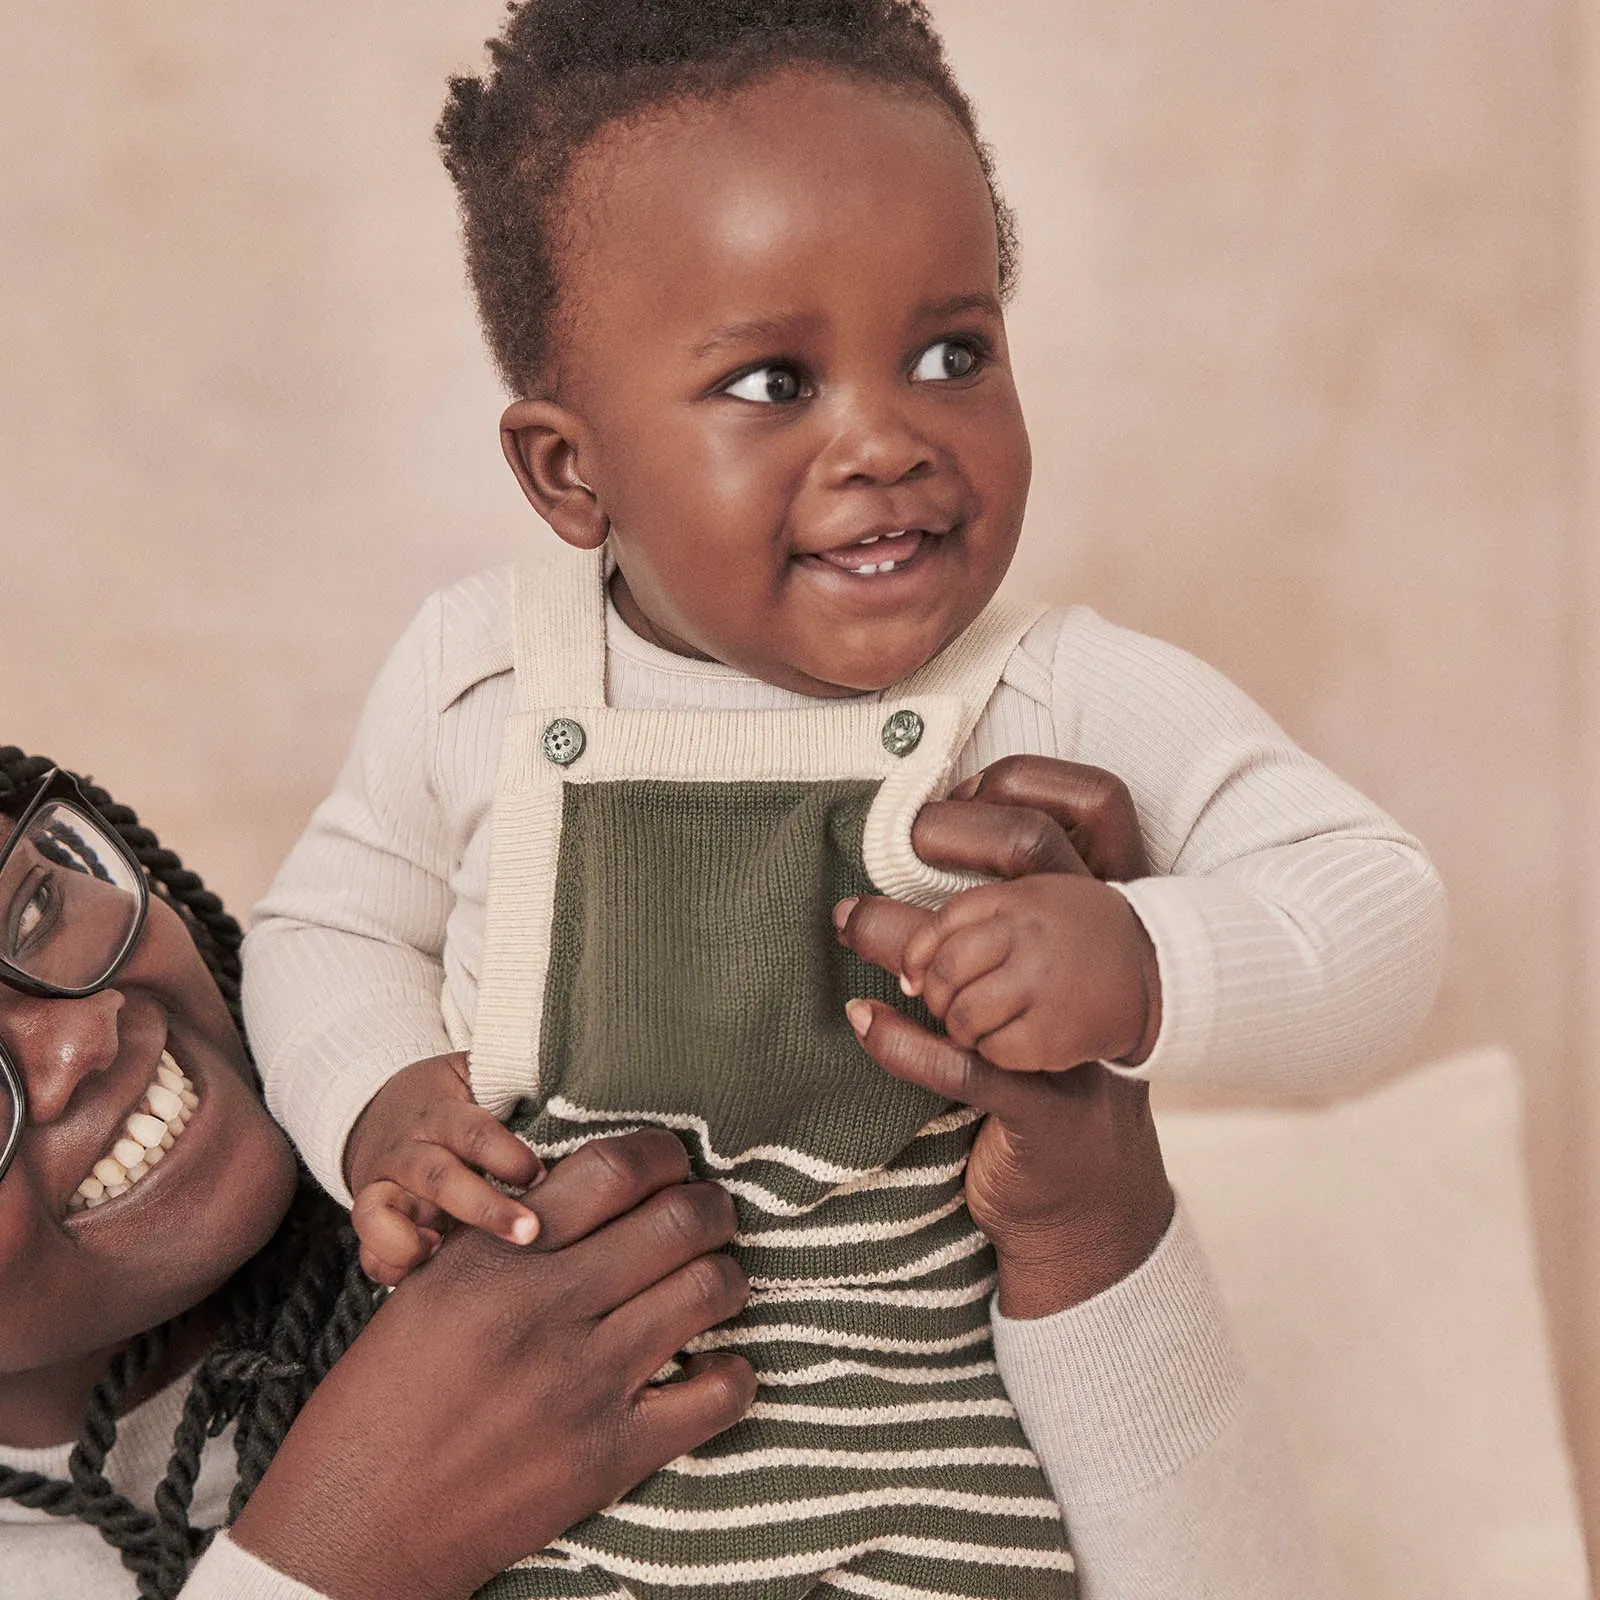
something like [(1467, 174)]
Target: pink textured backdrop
[(1301, 336)]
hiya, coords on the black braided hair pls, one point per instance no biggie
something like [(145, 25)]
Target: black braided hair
[(287, 1315), (561, 70)]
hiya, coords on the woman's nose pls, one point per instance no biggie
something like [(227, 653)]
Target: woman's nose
[(876, 443), (56, 1044)]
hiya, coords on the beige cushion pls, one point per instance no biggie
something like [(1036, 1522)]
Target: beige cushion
[(1376, 1258)]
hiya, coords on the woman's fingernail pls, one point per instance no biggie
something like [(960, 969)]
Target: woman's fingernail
[(860, 1015), (525, 1230), (907, 987), (841, 912)]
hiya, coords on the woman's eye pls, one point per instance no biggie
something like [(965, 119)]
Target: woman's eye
[(27, 916), (768, 386), (949, 358)]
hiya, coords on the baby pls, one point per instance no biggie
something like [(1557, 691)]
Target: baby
[(744, 267)]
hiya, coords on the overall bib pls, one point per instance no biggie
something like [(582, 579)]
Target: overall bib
[(659, 950)]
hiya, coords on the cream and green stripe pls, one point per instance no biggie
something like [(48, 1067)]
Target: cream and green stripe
[(659, 951)]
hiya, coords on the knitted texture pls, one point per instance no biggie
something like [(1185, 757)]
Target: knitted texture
[(694, 983)]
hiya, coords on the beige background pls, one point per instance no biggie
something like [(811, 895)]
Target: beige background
[(1305, 336)]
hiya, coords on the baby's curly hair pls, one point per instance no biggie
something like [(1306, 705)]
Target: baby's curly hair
[(564, 69)]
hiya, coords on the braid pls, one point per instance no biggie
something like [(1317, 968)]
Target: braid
[(288, 1313), (561, 70)]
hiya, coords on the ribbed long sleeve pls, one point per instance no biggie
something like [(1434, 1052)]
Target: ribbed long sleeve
[(1298, 930)]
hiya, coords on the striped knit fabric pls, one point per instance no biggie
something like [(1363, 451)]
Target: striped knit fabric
[(691, 980), (882, 1456)]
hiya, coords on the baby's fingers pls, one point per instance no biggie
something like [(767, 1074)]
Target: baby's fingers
[(395, 1231), (440, 1175), (468, 1131), (961, 913), (958, 960)]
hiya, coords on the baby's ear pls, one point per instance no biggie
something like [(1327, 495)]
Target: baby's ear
[(541, 442)]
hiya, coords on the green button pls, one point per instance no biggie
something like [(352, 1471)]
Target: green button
[(563, 741), (902, 733)]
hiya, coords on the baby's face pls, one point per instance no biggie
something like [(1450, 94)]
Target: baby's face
[(782, 334)]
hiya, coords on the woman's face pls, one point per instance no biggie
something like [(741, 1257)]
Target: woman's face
[(77, 1279)]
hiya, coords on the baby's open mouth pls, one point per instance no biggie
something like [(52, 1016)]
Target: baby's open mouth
[(144, 1139), (879, 553)]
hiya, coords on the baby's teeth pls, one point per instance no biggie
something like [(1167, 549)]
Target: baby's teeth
[(149, 1131), (127, 1151), (873, 540), (163, 1102), (865, 572), (91, 1189), (110, 1171)]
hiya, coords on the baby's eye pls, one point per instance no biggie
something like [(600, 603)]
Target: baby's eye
[(768, 386), (949, 358)]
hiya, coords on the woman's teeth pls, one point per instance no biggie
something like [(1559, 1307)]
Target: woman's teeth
[(146, 1137)]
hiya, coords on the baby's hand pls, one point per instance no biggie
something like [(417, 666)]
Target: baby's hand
[(1050, 968), (411, 1161), (1037, 975)]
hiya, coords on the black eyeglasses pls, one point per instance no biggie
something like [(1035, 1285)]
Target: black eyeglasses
[(72, 905)]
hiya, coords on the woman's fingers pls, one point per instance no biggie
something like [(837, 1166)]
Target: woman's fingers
[(1091, 805), (878, 929), (906, 940), (714, 1393), (907, 1050), (655, 1325), (603, 1180), (1006, 840), (679, 1226)]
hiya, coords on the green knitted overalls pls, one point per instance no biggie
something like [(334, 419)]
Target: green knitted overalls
[(659, 949)]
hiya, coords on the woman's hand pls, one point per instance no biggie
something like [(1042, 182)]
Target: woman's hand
[(511, 1386), (1065, 1176)]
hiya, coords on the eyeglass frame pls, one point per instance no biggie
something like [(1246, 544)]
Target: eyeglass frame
[(56, 786)]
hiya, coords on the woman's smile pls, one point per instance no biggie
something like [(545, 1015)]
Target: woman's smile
[(143, 1140)]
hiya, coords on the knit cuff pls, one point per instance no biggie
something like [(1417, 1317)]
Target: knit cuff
[(1185, 964), (228, 1571), (1122, 1391)]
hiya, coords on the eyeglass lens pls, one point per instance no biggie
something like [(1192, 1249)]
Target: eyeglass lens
[(10, 1118), (68, 901)]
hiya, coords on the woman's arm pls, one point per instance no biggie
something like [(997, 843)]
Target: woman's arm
[(1171, 1475), (511, 1385)]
